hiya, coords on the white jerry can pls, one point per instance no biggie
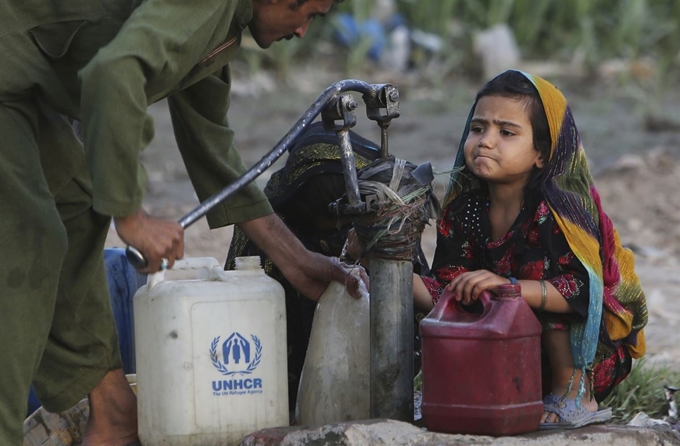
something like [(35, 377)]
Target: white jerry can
[(335, 381), (211, 353)]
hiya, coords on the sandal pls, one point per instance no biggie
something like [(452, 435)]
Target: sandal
[(571, 417)]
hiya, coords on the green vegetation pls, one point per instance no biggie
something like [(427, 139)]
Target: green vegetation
[(550, 30), (418, 381), (597, 29), (642, 391)]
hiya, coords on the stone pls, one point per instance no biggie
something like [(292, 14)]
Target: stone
[(397, 433)]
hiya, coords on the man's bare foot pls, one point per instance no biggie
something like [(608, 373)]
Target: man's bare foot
[(113, 413)]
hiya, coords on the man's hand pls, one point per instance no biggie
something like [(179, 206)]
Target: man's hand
[(308, 272), (312, 276), (156, 239)]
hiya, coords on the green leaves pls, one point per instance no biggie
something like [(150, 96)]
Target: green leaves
[(549, 30), (642, 391)]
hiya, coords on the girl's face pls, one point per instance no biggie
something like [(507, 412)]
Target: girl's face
[(500, 146)]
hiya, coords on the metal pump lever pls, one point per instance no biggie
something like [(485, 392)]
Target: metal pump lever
[(376, 96)]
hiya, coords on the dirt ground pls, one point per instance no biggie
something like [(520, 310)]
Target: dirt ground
[(637, 171)]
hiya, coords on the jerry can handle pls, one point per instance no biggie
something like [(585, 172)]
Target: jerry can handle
[(191, 264), (448, 303), (486, 299)]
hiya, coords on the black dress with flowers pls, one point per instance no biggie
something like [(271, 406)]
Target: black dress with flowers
[(533, 249)]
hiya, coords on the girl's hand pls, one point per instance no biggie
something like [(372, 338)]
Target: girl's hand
[(468, 286)]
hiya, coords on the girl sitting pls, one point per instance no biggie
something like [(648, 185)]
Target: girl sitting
[(522, 208)]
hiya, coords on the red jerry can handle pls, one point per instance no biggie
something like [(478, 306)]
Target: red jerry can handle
[(451, 310)]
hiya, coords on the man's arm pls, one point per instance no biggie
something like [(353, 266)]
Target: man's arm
[(199, 120), (154, 50), (307, 271)]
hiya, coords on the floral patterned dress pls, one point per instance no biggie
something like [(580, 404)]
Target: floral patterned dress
[(534, 248)]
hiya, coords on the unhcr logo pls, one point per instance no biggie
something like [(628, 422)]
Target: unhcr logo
[(238, 354)]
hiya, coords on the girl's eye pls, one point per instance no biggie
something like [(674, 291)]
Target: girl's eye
[(476, 129), (506, 132)]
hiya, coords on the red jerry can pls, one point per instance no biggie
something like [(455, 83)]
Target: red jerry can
[(482, 372)]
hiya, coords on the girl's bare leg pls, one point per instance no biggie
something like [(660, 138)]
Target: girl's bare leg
[(556, 343)]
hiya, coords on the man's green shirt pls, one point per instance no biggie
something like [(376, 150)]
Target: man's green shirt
[(104, 62)]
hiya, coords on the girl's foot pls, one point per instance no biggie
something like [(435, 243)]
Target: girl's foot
[(555, 398), (568, 416)]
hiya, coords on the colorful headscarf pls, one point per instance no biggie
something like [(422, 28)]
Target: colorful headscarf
[(569, 190)]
